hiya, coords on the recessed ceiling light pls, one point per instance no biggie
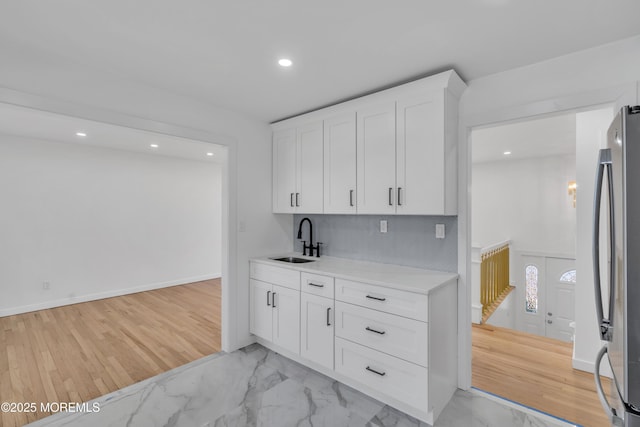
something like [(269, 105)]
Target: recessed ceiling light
[(285, 62), (81, 134), (209, 154), (153, 145), (506, 153)]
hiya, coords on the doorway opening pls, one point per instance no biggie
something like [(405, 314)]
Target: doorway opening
[(527, 179), (113, 255)]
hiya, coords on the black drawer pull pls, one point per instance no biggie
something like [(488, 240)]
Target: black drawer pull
[(382, 374), (374, 331), (376, 298), (315, 284)]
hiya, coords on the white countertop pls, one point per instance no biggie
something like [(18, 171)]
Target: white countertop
[(389, 275)]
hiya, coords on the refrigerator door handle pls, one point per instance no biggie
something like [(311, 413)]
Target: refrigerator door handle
[(605, 324), (611, 412)]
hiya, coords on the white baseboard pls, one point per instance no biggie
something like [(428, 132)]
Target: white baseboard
[(476, 313), (589, 366), (102, 295)]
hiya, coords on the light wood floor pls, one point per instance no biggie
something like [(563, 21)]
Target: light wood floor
[(79, 352), (535, 371)]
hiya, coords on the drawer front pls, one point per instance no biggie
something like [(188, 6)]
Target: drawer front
[(397, 378), (316, 284), (394, 335), (275, 275), (394, 301)]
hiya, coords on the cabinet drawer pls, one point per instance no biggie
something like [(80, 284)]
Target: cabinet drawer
[(394, 301), (394, 335), (275, 275), (397, 378), (316, 284)]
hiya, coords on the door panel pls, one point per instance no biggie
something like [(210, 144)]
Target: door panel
[(376, 159), (261, 311), (560, 298), (317, 329), (309, 197), (420, 155), (286, 318), (340, 164), (284, 171)]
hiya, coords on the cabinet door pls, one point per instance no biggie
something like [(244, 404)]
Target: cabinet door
[(286, 318), (284, 171), (261, 311), (317, 329), (309, 196), (420, 156), (340, 164), (376, 153)]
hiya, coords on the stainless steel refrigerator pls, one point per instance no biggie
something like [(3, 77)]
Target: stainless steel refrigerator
[(616, 245)]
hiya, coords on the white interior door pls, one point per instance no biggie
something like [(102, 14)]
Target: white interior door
[(561, 283)]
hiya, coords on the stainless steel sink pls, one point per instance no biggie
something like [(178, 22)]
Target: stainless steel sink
[(292, 260)]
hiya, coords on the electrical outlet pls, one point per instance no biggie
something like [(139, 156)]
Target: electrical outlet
[(439, 231), (383, 225), (46, 285)]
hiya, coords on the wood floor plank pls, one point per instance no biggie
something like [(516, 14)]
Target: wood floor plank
[(82, 351), (535, 371)]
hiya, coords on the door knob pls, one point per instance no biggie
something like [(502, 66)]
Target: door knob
[(549, 321)]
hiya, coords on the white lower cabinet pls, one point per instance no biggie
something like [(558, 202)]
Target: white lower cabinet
[(401, 380), (275, 314), (317, 329), (398, 346)]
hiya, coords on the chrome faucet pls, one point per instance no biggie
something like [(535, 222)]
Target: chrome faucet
[(310, 246)]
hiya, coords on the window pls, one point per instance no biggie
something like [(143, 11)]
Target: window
[(568, 277), (531, 288)]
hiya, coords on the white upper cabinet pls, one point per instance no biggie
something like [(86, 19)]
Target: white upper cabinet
[(391, 152), (376, 152), (309, 193), (297, 169), (340, 164), (426, 158)]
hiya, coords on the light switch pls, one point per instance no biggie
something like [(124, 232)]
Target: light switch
[(383, 225), (439, 231)]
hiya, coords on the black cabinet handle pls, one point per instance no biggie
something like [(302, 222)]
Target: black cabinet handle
[(297, 201), (273, 300), (328, 311), (291, 199), (382, 374), (350, 197), (374, 331), (376, 298), (399, 190), (315, 284), (268, 295), (390, 196)]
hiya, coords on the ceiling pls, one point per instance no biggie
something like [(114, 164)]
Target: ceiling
[(225, 53), (45, 126), (543, 137)]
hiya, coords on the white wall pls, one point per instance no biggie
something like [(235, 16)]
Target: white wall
[(505, 314), (96, 222), (591, 135), (525, 201), (605, 74)]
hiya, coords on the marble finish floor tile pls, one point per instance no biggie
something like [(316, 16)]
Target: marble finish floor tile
[(257, 387)]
